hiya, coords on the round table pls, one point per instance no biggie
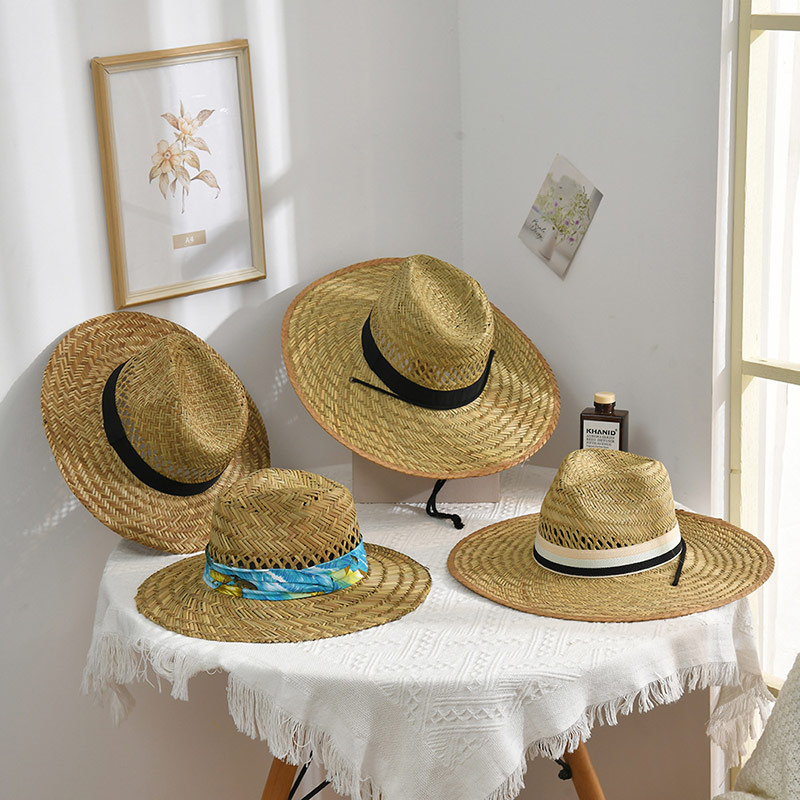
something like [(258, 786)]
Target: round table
[(450, 700)]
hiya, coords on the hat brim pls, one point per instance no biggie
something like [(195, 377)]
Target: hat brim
[(722, 564), (72, 389), (321, 337), (177, 599)]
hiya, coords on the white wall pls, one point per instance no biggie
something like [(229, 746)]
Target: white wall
[(629, 93), (371, 115)]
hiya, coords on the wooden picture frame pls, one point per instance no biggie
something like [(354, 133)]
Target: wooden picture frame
[(178, 153)]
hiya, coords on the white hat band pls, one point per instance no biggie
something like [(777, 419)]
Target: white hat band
[(608, 562)]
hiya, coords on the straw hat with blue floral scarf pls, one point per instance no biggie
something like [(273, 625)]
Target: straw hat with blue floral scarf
[(285, 562)]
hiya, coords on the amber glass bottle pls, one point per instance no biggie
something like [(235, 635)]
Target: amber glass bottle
[(604, 426)]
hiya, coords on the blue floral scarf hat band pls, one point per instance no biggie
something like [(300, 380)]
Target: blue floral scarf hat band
[(109, 397), (285, 562), (609, 546)]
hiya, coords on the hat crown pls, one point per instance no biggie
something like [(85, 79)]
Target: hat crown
[(183, 409), (434, 324), (605, 499), (283, 519)]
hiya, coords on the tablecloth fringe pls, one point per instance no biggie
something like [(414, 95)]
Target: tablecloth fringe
[(730, 725), (741, 718), (113, 662), (294, 741)]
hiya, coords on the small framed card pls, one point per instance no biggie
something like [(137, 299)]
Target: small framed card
[(560, 215)]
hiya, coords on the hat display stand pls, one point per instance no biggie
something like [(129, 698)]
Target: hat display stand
[(373, 483)]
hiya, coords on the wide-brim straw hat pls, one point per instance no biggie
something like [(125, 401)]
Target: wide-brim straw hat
[(271, 534), (609, 546), (183, 420), (434, 338)]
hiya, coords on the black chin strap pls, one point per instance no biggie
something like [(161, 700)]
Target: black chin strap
[(432, 511), (681, 559)]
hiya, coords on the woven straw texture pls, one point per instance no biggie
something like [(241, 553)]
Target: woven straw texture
[(283, 519), (434, 324), (186, 423), (413, 324), (184, 412), (602, 500)]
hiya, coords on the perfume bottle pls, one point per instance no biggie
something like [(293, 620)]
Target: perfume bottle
[(604, 426)]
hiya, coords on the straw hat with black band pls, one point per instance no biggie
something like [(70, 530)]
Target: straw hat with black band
[(609, 546), (148, 424), (285, 562), (407, 363)]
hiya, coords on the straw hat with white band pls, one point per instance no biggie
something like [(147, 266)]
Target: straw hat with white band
[(609, 546), (148, 424)]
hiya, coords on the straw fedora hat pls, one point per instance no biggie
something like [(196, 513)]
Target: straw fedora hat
[(285, 562), (407, 363), (148, 424), (609, 546)]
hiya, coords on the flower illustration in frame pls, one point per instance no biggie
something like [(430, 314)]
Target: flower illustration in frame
[(172, 162)]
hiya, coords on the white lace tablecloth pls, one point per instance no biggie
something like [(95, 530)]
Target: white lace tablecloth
[(450, 700)]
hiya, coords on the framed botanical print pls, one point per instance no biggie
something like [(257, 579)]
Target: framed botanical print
[(180, 170)]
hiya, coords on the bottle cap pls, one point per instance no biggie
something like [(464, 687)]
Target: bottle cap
[(604, 398)]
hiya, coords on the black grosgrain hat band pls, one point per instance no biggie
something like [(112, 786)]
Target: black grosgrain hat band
[(404, 389), (117, 438)]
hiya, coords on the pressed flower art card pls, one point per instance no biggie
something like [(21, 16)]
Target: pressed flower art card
[(180, 172), (560, 215)]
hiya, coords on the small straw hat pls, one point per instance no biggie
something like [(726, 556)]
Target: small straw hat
[(407, 363), (609, 546), (148, 424), (285, 562)]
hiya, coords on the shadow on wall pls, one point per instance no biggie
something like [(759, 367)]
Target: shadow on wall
[(38, 497), (53, 553), (250, 340), (49, 539)]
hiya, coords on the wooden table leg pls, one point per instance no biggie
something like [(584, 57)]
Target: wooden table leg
[(279, 780), (584, 778)]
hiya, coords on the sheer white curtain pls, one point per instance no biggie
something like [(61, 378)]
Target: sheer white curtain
[(775, 72)]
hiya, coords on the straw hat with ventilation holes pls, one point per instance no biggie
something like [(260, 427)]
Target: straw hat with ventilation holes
[(148, 424), (609, 546), (407, 363), (264, 525)]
